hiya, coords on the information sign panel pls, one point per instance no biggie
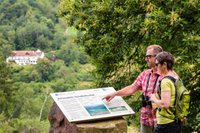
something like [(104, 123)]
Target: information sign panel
[(87, 105)]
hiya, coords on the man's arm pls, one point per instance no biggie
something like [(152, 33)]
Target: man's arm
[(126, 91)]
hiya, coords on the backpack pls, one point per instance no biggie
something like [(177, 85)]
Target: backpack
[(182, 98)]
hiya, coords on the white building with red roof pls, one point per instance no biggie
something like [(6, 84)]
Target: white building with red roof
[(23, 57)]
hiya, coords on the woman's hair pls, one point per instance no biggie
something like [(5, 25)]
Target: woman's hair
[(166, 57)]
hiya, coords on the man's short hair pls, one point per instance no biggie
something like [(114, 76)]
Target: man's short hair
[(156, 48)]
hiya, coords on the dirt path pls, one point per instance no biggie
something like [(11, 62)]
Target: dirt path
[(133, 129)]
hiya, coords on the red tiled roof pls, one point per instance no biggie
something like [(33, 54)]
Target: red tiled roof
[(25, 53)]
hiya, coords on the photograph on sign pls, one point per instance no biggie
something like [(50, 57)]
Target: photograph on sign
[(87, 105)]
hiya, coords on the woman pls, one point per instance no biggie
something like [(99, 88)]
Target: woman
[(165, 97)]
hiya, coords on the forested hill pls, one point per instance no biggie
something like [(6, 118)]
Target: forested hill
[(28, 24), (24, 90), (32, 25)]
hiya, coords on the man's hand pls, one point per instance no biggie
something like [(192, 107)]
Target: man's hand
[(110, 96)]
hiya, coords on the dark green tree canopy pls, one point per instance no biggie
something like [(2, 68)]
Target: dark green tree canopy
[(115, 34), (6, 89)]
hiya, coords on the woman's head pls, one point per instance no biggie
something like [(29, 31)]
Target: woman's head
[(165, 58)]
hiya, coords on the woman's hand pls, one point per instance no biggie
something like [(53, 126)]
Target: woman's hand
[(165, 99), (153, 98), (154, 105)]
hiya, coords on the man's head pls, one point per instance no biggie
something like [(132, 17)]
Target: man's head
[(151, 53)]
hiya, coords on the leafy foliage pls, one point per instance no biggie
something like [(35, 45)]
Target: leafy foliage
[(29, 25), (24, 90), (115, 34), (6, 90)]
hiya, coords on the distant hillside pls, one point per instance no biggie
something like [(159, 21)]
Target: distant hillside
[(30, 24)]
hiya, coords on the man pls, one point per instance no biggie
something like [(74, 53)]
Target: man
[(147, 81)]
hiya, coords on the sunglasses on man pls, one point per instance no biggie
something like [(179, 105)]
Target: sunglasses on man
[(149, 56)]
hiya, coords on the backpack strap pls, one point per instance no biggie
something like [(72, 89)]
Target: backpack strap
[(171, 78)]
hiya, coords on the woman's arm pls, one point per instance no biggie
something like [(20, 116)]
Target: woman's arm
[(165, 99)]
